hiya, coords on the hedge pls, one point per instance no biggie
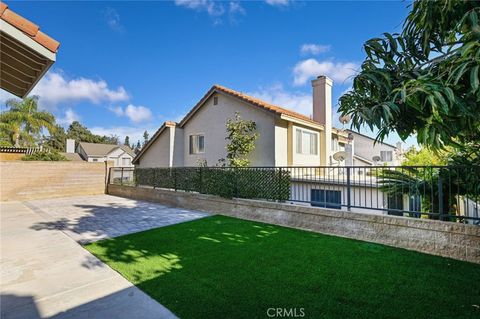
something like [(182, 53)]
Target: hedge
[(229, 182)]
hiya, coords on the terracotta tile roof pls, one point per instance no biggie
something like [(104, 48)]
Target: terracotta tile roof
[(270, 107), (28, 27), (249, 99)]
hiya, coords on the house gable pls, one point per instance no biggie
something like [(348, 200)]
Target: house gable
[(210, 121)]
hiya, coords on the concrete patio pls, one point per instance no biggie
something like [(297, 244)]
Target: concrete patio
[(45, 273)]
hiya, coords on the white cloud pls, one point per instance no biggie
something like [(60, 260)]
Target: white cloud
[(135, 133), (236, 8), (296, 101), (310, 48), (136, 114), (69, 117), (337, 71), (117, 110), (278, 2), (54, 89), (211, 7), (113, 20)]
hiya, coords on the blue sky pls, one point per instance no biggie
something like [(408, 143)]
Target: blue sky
[(126, 67)]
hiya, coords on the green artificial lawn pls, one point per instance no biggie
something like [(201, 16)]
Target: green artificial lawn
[(222, 267)]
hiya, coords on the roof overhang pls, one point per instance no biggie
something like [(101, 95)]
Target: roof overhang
[(26, 53), (309, 124)]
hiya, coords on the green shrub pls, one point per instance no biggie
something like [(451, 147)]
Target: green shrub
[(45, 156), (252, 183)]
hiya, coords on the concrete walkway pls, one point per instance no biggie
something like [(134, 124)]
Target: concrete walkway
[(45, 273)]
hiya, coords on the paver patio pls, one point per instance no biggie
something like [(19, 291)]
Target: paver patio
[(45, 273)]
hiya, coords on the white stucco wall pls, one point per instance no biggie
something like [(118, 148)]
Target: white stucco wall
[(178, 147), (369, 197), (210, 121), (157, 154), (281, 143), (366, 148)]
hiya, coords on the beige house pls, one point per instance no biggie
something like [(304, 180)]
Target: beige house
[(120, 155), (286, 138), (368, 153)]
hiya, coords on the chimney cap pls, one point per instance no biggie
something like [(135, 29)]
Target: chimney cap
[(322, 79)]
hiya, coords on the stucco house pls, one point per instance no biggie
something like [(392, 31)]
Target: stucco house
[(367, 152), (120, 155), (286, 138)]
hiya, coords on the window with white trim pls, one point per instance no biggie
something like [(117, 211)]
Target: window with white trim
[(125, 161), (386, 156), (307, 142), (197, 144)]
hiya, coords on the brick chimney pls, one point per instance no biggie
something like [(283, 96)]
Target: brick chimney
[(322, 113)]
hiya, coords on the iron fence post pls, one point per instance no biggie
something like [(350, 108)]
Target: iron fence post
[(440, 195), (280, 184), (349, 204), (200, 184), (121, 177), (235, 182), (174, 179)]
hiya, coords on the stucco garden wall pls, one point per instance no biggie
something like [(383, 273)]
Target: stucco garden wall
[(33, 180), (454, 240)]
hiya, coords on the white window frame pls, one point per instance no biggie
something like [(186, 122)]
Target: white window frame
[(195, 148), (299, 141), (129, 161), (388, 154)]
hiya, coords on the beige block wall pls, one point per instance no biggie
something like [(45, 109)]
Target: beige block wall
[(34, 180), (11, 156)]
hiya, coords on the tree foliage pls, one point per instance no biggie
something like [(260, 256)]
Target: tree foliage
[(425, 157), (241, 137), (23, 122), (424, 81), (145, 138), (57, 139), (45, 156), (80, 133)]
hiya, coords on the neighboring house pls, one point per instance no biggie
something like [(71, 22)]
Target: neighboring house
[(75, 157), (286, 138), (367, 153), (120, 155)]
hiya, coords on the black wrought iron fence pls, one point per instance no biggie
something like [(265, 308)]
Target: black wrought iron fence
[(435, 192)]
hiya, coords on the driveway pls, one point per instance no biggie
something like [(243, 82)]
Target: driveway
[(45, 273)]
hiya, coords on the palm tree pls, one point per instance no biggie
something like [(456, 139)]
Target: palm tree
[(23, 121)]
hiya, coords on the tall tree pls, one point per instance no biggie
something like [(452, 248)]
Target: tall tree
[(23, 122), (145, 138), (424, 81), (127, 141), (241, 137), (80, 133), (138, 147), (57, 140)]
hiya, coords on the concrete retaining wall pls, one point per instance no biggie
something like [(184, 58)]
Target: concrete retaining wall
[(454, 240), (34, 180)]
